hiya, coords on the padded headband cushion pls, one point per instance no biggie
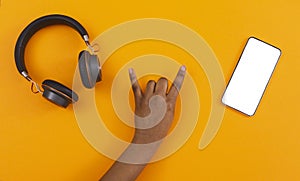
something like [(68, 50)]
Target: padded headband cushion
[(35, 26), (60, 89)]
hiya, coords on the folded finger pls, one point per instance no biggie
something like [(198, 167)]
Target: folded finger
[(161, 86), (149, 89)]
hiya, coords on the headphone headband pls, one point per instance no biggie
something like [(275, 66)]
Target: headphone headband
[(35, 26)]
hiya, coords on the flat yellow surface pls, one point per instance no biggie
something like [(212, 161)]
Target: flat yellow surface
[(39, 141)]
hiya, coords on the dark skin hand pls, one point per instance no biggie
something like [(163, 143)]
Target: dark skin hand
[(154, 114)]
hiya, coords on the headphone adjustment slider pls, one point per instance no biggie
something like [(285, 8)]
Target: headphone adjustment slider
[(25, 74), (87, 42)]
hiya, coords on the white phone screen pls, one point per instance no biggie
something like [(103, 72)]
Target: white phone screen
[(251, 76)]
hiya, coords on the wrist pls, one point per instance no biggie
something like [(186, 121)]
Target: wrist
[(137, 153)]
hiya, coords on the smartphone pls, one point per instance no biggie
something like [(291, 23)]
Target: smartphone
[(251, 76)]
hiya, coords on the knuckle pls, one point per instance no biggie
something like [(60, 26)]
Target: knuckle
[(170, 105), (151, 82), (163, 79)]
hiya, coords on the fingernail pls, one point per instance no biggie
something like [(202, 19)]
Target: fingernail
[(130, 70), (183, 68)]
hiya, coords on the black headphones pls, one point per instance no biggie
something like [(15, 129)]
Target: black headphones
[(89, 65)]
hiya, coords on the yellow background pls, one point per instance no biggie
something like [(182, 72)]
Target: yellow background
[(40, 141)]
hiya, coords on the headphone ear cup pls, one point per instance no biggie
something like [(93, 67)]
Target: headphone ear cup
[(89, 68), (58, 94)]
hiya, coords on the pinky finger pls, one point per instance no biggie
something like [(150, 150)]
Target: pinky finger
[(177, 83)]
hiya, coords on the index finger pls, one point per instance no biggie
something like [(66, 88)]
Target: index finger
[(177, 83), (134, 83)]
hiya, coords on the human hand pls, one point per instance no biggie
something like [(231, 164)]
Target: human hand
[(154, 113), (154, 107)]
